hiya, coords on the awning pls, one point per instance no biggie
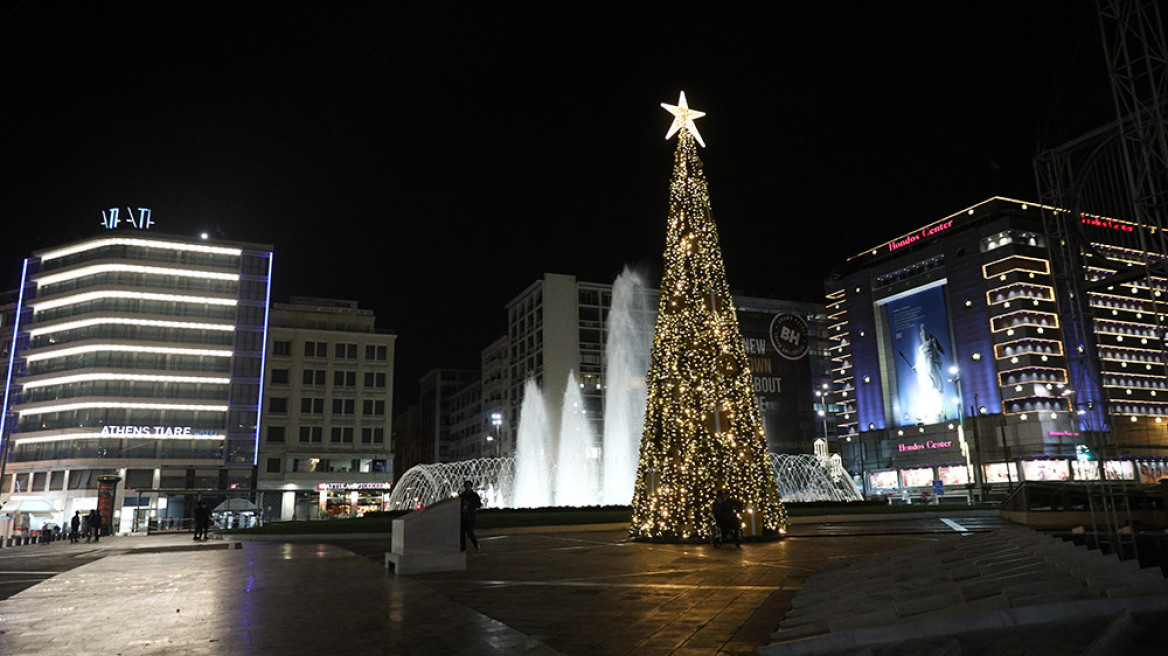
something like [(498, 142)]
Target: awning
[(236, 505), (31, 505)]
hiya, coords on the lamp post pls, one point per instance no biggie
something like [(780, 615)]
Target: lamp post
[(973, 476), (497, 438), (822, 394)]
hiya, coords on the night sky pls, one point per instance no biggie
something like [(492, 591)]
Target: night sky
[(432, 164)]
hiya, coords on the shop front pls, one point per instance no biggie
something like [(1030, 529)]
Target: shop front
[(352, 499)]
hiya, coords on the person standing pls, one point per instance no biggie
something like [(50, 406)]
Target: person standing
[(75, 527), (470, 504), (95, 525), (726, 515), (202, 521)]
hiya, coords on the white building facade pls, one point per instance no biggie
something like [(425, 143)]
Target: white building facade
[(325, 448)]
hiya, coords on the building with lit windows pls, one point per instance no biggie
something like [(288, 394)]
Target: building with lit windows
[(560, 325), (328, 409), (135, 377), (954, 358)]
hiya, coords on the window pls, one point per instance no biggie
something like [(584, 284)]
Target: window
[(313, 376), (278, 404), (316, 349), (279, 377), (373, 379), (311, 434), (281, 347), (276, 433), (371, 435), (375, 352), (342, 435), (373, 408), (345, 378), (312, 406), (273, 465), (347, 351), (344, 406)]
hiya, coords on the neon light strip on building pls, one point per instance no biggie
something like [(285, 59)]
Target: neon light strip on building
[(126, 348), (12, 349), (121, 405), (122, 321), (147, 243), (137, 296), (94, 269), (131, 378), (255, 459)]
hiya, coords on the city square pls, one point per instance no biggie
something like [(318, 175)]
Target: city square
[(402, 272)]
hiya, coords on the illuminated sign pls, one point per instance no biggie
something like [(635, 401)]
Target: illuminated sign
[(926, 232), (929, 444), (346, 487), (112, 219), (154, 431), (1101, 222)]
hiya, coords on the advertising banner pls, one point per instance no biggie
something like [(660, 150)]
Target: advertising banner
[(917, 477), (777, 348), (883, 480), (1046, 470), (953, 476), (918, 327)]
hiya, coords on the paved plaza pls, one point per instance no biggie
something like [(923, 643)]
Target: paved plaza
[(587, 592), (584, 591)]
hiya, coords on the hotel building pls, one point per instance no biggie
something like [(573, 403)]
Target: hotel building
[(134, 379), (954, 358)]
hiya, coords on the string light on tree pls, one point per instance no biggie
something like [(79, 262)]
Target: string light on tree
[(702, 428)]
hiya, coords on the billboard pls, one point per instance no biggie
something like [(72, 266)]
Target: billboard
[(777, 347), (919, 343)]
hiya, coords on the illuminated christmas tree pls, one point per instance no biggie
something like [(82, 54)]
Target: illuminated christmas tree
[(702, 428)]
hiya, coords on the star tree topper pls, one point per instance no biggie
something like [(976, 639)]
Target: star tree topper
[(683, 117)]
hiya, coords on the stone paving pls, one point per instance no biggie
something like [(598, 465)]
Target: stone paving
[(541, 594)]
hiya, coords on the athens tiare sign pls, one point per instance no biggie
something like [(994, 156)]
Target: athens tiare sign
[(154, 431), (929, 444)]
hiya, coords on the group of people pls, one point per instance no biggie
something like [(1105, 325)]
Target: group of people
[(90, 526)]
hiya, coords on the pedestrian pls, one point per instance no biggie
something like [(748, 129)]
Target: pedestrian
[(202, 521), (470, 504), (75, 527), (95, 525), (726, 515)]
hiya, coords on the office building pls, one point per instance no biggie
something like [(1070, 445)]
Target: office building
[(328, 408)]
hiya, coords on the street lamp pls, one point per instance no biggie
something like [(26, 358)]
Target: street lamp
[(822, 411), (972, 473), (497, 438)]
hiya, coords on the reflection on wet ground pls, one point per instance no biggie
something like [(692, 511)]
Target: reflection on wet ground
[(558, 593)]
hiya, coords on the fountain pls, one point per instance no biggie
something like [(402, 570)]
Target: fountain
[(630, 335), (577, 478), (533, 462), (565, 469)]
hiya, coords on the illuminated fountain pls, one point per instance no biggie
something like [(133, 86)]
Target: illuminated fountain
[(533, 464), (577, 477), (630, 336), (802, 477), (564, 468)]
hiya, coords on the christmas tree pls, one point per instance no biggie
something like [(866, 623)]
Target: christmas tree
[(702, 428)]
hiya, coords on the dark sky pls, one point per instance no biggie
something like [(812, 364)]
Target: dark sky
[(433, 163)]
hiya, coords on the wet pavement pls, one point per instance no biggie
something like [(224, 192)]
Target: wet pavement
[(586, 592)]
